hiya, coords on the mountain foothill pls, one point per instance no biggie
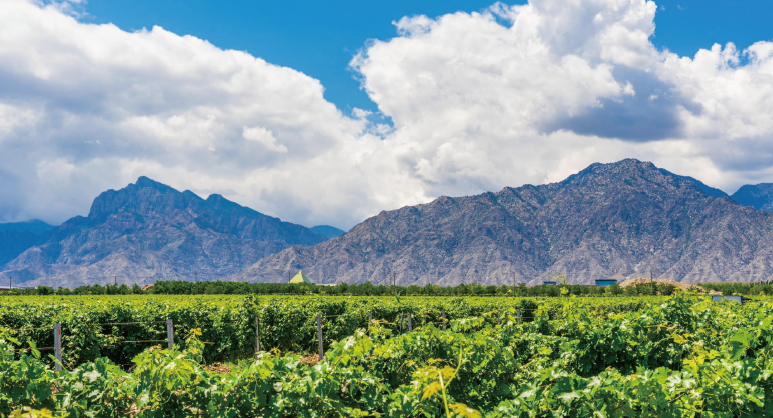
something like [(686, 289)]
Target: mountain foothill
[(623, 219)]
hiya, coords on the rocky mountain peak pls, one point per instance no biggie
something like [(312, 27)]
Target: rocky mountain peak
[(145, 197), (626, 173), (148, 183), (147, 231), (608, 219), (634, 176)]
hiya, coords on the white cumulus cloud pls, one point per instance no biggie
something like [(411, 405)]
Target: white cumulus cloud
[(264, 137), (512, 95), (86, 107), (532, 93)]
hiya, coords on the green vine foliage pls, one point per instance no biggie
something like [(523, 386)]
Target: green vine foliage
[(227, 322), (661, 357)]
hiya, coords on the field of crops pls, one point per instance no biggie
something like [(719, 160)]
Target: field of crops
[(682, 356), (227, 323)]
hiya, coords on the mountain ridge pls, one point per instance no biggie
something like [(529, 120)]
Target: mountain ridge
[(147, 231), (327, 230), (758, 196), (607, 219)]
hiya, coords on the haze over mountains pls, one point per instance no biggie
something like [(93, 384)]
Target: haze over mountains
[(35, 226), (609, 219), (18, 236), (758, 196)]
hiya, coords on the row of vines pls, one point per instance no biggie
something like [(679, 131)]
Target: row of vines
[(655, 357), (227, 323)]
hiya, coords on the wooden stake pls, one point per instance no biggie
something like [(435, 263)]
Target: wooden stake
[(257, 335), (319, 337), (410, 326), (170, 333), (58, 346)]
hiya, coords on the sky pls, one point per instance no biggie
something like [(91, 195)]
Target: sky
[(320, 38), (329, 112)]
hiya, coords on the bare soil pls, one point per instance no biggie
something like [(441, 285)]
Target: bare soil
[(683, 286)]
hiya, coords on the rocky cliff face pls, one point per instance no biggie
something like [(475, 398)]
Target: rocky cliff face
[(758, 196), (609, 219), (149, 231)]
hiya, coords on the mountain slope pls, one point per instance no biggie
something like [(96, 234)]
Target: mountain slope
[(13, 243), (618, 218), (35, 226), (758, 196), (711, 191), (148, 231), (327, 230), (16, 237)]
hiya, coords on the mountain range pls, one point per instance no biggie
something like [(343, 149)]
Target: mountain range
[(625, 218), (619, 219), (148, 231)]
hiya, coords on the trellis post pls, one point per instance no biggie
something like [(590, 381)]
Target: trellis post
[(257, 335), (169, 333), (319, 337), (58, 346)]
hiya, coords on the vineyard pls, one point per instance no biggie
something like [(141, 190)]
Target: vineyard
[(680, 356)]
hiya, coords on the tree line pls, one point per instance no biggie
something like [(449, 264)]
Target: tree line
[(181, 287)]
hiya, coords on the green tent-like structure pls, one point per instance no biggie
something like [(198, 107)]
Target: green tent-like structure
[(300, 278)]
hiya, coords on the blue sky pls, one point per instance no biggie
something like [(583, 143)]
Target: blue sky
[(320, 38), (94, 94), (316, 37)]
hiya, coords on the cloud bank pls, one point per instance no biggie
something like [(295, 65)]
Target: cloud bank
[(513, 95)]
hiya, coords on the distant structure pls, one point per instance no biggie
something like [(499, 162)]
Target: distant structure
[(300, 278), (732, 298), (549, 283), (605, 282)]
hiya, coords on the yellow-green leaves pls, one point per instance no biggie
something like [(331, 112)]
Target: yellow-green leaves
[(463, 410)]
